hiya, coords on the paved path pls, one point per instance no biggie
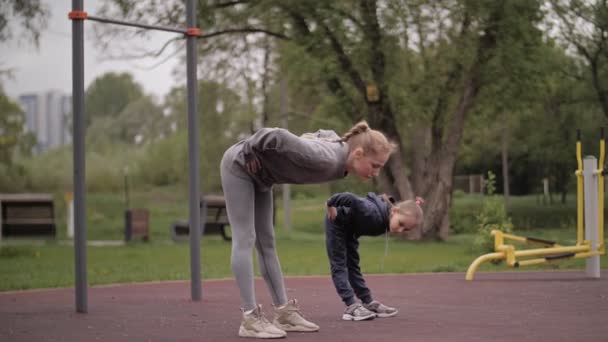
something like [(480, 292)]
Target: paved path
[(508, 306)]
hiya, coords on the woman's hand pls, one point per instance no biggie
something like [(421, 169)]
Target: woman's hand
[(332, 212), (253, 165)]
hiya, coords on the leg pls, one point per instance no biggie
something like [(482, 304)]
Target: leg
[(336, 251), (287, 314), (239, 195), (265, 243), (355, 278)]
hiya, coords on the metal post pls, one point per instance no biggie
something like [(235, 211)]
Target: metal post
[(80, 238), (286, 187), (591, 209), (193, 154)]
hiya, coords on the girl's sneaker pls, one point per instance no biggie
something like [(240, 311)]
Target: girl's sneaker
[(356, 312), (255, 325), (380, 309), (289, 318)]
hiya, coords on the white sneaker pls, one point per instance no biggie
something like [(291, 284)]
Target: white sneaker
[(356, 312), (255, 325), (380, 309), (289, 318)]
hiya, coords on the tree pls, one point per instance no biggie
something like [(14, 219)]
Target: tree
[(583, 27), (140, 122), (109, 94), (13, 142), (13, 138), (424, 62), (223, 118), (31, 15)]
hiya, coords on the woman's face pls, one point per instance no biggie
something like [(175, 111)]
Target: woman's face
[(366, 166)]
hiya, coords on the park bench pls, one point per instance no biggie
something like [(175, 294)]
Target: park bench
[(214, 216), (27, 216)]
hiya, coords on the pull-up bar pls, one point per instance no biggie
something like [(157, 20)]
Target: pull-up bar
[(82, 15), (78, 15)]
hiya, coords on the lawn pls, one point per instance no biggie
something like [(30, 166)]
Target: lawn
[(28, 265)]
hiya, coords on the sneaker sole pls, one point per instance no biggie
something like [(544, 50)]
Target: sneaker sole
[(347, 317), (294, 328), (255, 334), (386, 315)]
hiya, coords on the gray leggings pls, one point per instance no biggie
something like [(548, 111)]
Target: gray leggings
[(250, 216)]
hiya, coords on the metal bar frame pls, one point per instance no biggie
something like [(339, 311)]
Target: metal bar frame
[(132, 24), (80, 252)]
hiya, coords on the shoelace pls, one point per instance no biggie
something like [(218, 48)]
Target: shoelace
[(296, 310)]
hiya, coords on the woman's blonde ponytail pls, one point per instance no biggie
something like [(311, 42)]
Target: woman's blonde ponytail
[(371, 140), (358, 128)]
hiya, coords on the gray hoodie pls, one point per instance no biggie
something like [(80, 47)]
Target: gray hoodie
[(288, 159)]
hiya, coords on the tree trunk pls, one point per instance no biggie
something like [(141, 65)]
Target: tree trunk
[(420, 140)]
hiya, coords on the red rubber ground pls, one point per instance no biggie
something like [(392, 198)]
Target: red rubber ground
[(509, 306)]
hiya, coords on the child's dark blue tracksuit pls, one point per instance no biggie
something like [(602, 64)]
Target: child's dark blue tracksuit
[(356, 216)]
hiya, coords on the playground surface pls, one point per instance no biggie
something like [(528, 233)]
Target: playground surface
[(505, 306)]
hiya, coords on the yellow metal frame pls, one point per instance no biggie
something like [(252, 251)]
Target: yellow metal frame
[(550, 250)]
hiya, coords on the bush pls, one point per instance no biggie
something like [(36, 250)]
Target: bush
[(49, 172), (12, 178)]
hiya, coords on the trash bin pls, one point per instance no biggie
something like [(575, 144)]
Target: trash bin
[(137, 224)]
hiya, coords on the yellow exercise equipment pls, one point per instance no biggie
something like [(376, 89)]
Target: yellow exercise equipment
[(550, 250)]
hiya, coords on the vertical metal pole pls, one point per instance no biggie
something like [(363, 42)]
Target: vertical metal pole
[(591, 208), (80, 237), (193, 154), (286, 187)]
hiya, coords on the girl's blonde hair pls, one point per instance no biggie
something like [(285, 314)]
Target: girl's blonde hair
[(408, 208), (372, 141), (411, 208)]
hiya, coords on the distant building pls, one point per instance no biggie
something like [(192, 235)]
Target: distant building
[(46, 116)]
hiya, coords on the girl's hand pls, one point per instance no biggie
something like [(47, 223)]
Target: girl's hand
[(332, 212), (419, 201)]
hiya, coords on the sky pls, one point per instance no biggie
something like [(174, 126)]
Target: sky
[(49, 67)]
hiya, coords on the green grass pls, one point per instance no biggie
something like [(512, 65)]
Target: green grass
[(26, 265), (52, 264)]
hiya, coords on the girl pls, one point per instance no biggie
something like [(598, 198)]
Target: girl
[(275, 156), (348, 218)]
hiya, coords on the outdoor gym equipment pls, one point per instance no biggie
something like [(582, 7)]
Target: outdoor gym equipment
[(191, 34), (589, 239)]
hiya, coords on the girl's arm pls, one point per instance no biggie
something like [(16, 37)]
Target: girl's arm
[(343, 199)]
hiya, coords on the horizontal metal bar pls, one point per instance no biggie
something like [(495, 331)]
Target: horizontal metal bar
[(554, 250), (514, 237), (128, 23)]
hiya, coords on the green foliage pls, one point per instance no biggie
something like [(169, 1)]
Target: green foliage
[(165, 162), (13, 138), (492, 216), (140, 122), (109, 94), (31, 14), (14, 143)]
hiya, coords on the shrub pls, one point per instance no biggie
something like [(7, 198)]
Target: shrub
[(493, 215)]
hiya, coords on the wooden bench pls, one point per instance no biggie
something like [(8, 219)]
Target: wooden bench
[(213, 213), (27, 215)]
